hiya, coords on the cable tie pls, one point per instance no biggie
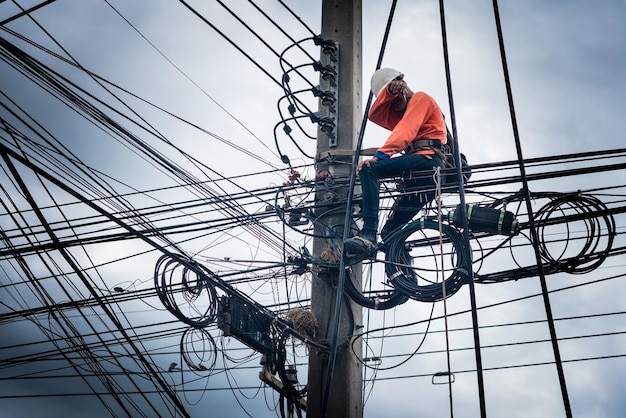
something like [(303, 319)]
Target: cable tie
[(396, 274)]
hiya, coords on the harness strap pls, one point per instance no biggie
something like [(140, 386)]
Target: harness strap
[(427, 144), (418, 144)]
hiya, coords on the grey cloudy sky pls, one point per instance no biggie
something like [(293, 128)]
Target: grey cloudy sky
[(566, 60)]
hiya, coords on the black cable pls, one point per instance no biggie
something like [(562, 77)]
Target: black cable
[(237, 47), (227, 208), (208, 348), (594, 214), (461, 189), (176, 284), (405, 278), (292, 388), (102, 80), (16, 156), (184, 75), (259, 37), (533, 230), (25, 12), (69, 259), (545, 363), (287, 131), (59, 317), (388, 300), (41, 69), (280, 28), (407, 357), (43, 295), (45, 187), (296, 16)]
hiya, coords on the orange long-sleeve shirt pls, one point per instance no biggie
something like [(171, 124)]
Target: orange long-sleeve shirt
[(422, 119)]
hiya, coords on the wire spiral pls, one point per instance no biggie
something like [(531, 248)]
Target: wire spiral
[(404, 277), (582, 250), (187, 294), (198, 349)]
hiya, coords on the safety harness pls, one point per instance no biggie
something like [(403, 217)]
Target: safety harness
[(427, 144)]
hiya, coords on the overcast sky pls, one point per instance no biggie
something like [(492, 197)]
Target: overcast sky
[(207, 99)]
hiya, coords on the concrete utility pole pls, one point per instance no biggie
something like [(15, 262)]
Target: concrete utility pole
[(341, 23)]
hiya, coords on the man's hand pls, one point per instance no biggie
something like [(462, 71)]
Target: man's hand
[(396, 86), (401, 89), (365, 162)]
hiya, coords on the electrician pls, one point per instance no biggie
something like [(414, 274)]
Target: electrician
[(418, 131)]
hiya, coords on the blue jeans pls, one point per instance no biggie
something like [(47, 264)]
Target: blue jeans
[(407, 205)]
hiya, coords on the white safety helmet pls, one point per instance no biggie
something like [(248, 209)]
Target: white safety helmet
[(382, 77)]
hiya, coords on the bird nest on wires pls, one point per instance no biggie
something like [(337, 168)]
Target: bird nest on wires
[(304, 322)]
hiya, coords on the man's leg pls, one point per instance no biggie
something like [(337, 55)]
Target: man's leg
[(365, 240), (370, 176), (403, 210)]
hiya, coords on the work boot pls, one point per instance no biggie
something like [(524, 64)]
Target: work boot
[(362, 243)]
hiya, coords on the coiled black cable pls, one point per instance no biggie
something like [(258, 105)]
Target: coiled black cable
[(600, 230), (201, 344), (182, 289), (380, 302), (402, 276)]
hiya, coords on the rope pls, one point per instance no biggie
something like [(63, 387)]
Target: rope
[(437, 178)]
